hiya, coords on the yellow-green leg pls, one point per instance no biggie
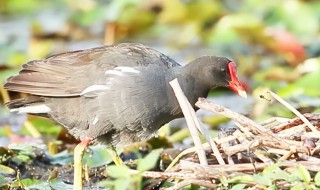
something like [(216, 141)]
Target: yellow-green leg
[(78, 154), (114, 156)]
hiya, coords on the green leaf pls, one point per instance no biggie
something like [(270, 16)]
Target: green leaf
[(280, 175), (3, 181), (6, 170), (262, 180), (58, 184), (317, 179), (224, 180), (25, 149), (299, 186), (46, 126), (99, 156), (16, 59), (306, 84), (149, 161), (274, 172), (121, 171), (122, 184), (270, 170), (304, 174), (20, 159), (62, 158), (25, 182), (89, 17), (53, 184), (227, 29), (21, 6), (241, 179), (272, 187), (238, 187), (294, 177), (294, 14), (118, 184), (106, 183)]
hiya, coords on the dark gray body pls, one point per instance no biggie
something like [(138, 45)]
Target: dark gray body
[(114, 94)]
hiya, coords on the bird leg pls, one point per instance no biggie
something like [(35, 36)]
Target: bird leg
[(78, 154), (114, 156)]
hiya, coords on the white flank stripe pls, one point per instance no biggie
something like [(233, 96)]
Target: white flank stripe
[(127, 70), (32, 109), (95, 120), (93, 88), (114, 72)]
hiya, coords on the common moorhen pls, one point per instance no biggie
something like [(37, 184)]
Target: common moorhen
[(115, 94)]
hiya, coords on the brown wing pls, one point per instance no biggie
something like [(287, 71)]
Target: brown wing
[(68, 74)]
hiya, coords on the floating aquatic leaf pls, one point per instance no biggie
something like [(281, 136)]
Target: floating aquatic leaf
[(304, 174), (121, 171), (99, 156), (149, 161)]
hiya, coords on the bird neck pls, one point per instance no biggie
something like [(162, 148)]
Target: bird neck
[(193, 83)]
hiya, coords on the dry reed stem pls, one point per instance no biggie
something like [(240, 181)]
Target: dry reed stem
[(190, 120)]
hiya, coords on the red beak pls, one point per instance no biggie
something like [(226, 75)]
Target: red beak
[(234, 82)]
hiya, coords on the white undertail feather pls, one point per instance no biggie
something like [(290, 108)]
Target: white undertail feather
[(40, 108)]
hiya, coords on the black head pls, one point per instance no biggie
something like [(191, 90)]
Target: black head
[(218, 71)]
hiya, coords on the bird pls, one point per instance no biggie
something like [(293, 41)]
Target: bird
[(115, 94)]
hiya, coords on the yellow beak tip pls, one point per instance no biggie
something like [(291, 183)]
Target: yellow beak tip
[(242, 93)]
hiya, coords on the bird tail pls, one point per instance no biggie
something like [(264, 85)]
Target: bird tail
[(32, 105)]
